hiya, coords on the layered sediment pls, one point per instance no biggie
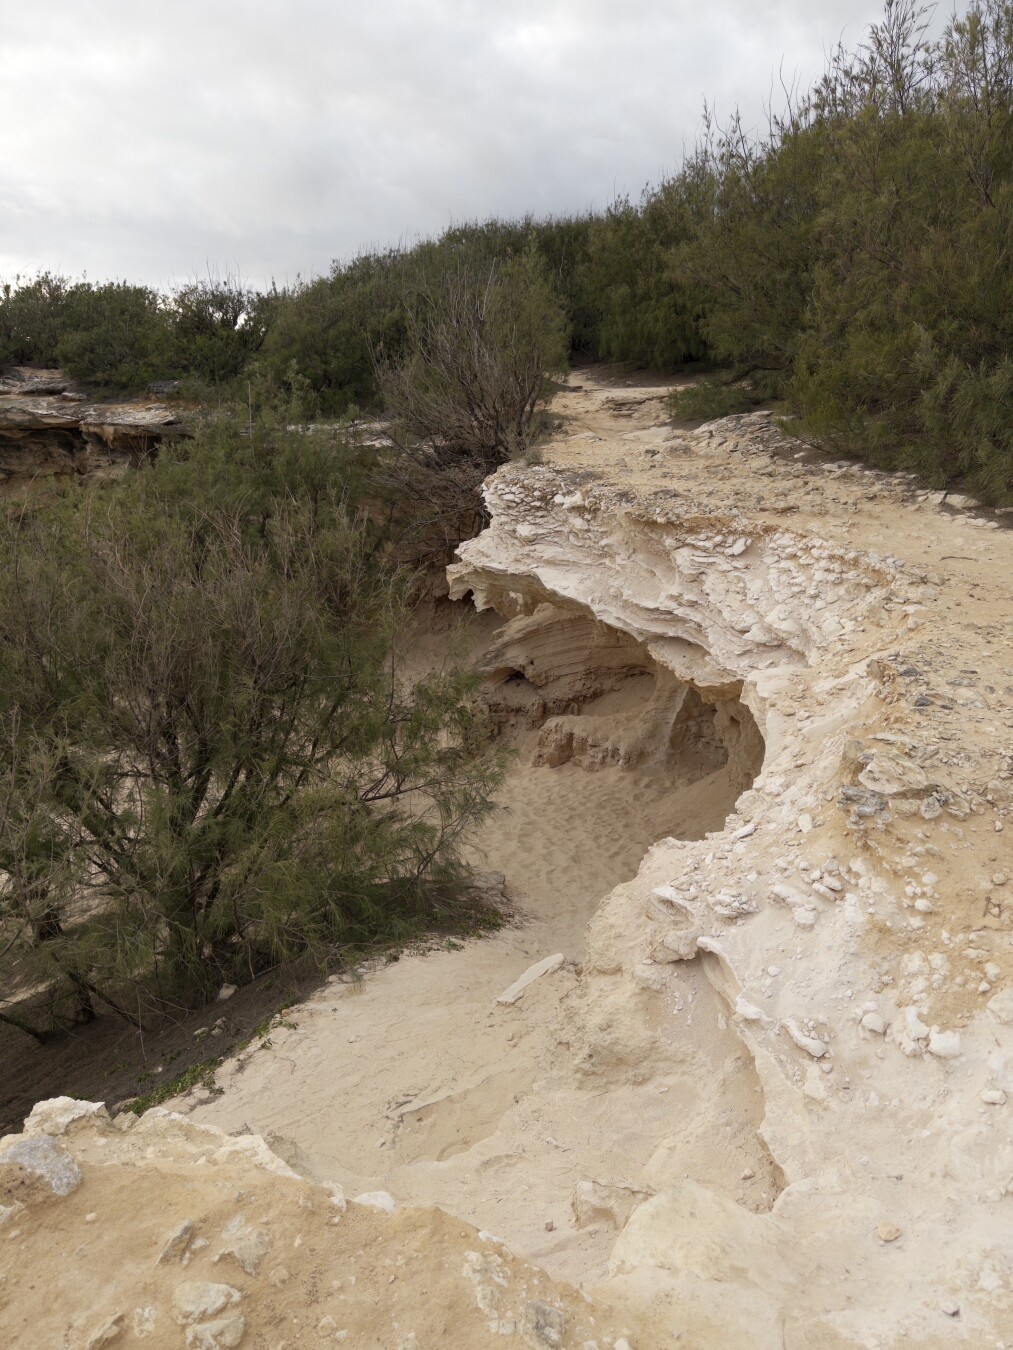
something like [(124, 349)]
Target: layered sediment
[(49, 427)]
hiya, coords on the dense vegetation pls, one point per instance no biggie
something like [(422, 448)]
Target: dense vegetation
[(854, 259), (210, 759)]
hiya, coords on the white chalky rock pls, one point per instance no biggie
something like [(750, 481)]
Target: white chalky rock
[(994, 1097), (670, 896), (814, 1087), (679, 945), (548, 966), (811, 1044), (945, 1044), (244, 1244), (872, 1021), (47, 1160), (1001, 1006), (382, 1200), (792, 898), (805, 823), (805, 918), (914, 1026), (60, 1115), (749, 1012), (225, 1333), (197, 1300)]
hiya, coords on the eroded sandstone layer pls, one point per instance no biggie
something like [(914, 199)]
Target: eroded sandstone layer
[(854, 915), (48, 427)]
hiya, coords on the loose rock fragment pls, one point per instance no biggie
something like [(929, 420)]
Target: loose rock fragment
[(177, 1243), (195, 1300), (548, 966), (225, 1333), (542, 1325), (45, 1159)]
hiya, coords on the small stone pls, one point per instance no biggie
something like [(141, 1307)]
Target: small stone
[(992, 972), (226, 992), (747, 1175), (805, 822), (247, 1246), (888, 1232), (811, 1044), (327, 1326), (994, 1097), (950, 1308), (872, 1021), (177, 1243), (195, 1300), (945, 1044), (43, 1157), (225, 1333), (925, 907), (1001, 1006)]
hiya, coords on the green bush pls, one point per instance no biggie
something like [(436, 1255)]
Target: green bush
[(209, 758)]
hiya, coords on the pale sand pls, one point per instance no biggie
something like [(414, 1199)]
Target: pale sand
[(416, 1082)]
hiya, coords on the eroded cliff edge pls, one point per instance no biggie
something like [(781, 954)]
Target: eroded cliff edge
[(49, 427), (855, 914)]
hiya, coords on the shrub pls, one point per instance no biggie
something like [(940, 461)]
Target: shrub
[(210, 760)]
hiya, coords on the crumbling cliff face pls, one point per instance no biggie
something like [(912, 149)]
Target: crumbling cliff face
[(852, 915), (48, 427), (762, 1097)]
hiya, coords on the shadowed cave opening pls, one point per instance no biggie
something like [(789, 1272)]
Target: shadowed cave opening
[(613, 753)]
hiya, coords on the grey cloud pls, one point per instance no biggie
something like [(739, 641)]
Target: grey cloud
[(144, 140)]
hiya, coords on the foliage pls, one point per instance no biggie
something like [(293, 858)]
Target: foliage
[(709, 399), (483, 340), (210, 761)]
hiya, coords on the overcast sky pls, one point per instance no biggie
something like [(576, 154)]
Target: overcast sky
[(149, 139)]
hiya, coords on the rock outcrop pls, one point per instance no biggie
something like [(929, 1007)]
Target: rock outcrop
[(156, 1231), (48, 427), (852, 916)]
